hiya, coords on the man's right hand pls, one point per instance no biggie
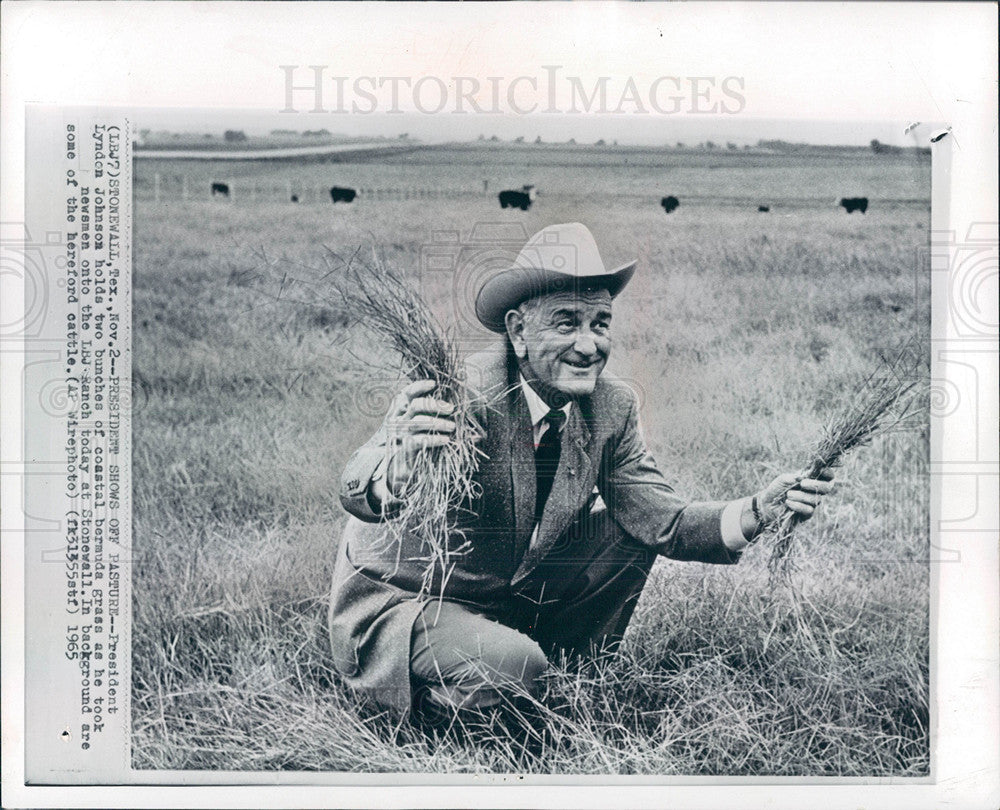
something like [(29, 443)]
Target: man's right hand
[(415, 422)]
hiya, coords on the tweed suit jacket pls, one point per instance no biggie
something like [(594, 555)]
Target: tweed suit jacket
[(376, 586)]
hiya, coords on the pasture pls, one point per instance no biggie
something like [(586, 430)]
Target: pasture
[(742, 332)]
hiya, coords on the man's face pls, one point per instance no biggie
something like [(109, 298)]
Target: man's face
[(564, 339)]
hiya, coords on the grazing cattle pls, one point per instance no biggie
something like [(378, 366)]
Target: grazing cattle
[(670, 204), (295, 198), (338, 194), (851, 204), (220, 188), (763, 208), (518, 199)]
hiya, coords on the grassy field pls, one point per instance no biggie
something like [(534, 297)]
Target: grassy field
[(742, 332)]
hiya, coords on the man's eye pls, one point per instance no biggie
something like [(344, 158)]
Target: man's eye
[(565, 326), (601, 326)]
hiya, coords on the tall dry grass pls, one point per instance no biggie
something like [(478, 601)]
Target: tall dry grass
[(380, 302), (247, 409), (882, 403)]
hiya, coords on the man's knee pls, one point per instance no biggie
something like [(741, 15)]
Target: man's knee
[(468, 661), (485, 679), (481, 685), (517, 666)]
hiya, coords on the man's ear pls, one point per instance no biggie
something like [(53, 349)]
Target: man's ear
[(514, 321)]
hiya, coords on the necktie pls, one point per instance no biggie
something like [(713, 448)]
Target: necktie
[(547, 459)]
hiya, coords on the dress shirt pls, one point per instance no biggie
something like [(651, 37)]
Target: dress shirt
[(537, 408), (732, 531)]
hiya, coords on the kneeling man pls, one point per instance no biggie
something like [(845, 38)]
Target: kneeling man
[(570, 516)]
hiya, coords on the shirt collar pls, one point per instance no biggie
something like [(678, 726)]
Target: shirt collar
[(537, 407)]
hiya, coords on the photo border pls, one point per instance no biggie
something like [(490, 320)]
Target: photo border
[(963, 207)]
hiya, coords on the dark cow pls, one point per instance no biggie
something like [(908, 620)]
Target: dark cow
[(338, 194), (851, 204), (295, 198), (518, 199), (514, 199), (220, 188), (763, 208), (670, 204)]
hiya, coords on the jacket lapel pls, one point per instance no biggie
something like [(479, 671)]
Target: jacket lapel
[(567, 492)]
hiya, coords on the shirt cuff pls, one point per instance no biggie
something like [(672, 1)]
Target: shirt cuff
[(732, 531)]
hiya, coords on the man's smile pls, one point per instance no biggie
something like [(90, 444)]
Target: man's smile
[(582, 363)]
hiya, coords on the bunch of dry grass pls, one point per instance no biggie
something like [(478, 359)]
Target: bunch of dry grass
[(441, 482), (374, 295), (883, 402)]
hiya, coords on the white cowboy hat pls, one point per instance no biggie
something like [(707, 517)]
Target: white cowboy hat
[(557, 258)]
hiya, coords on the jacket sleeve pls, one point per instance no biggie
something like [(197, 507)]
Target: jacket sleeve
[(647, 508), (357, 478)]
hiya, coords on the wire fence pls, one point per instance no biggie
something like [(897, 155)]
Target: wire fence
[(172, 187), (182, 187)]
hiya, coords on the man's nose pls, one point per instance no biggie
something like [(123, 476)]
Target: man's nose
[(585, 343)]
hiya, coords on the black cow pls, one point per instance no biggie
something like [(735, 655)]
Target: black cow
[(295, 198), (338, 194), (518, 199), (763, 208), (670, 204), (220, 188), (851, 204)]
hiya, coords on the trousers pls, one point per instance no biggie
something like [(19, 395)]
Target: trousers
[(577, 601)]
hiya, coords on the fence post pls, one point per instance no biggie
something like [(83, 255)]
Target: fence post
[(156, 187), (184, 187)]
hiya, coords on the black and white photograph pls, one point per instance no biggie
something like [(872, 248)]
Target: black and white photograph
[(521, 441), (576, 403)]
